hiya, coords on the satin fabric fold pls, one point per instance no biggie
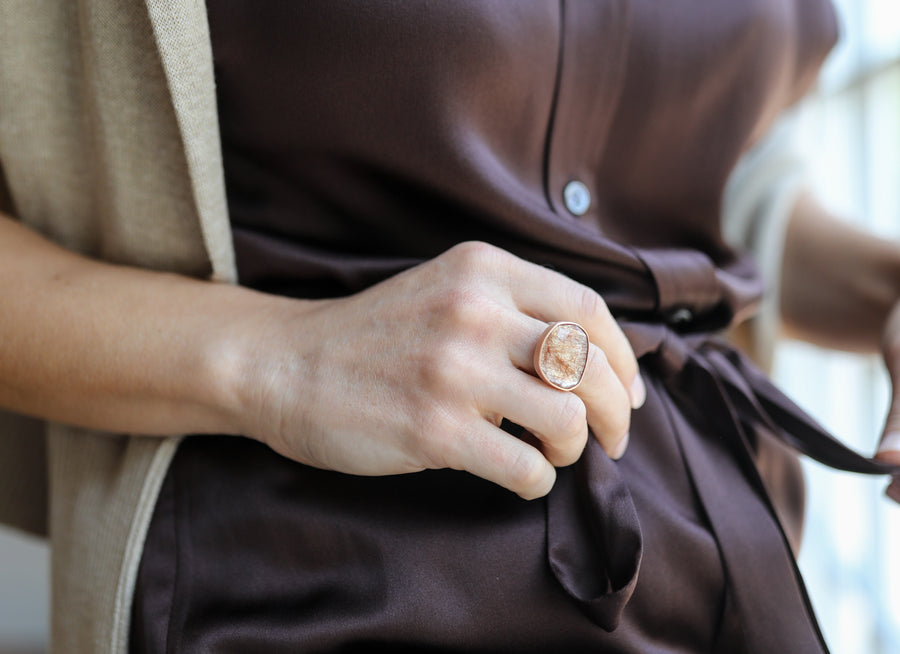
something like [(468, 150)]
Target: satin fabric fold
[(595, 553), (594, 545)]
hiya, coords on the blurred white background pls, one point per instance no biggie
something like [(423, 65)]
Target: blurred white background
[(850, 134), (23, 594), (850, 131)]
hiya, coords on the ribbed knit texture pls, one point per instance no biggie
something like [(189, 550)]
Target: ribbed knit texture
[(108, 154)]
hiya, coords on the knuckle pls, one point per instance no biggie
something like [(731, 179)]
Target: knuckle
[(570, 453), (460, 318), (459, 308), (571, 417), (472, 255), (588, 302), (619, 354), (441, 434), (597, 361), (457, 305), (441, 369), (435, 422), (619, 419), (467, 316), (481, 263), (627, 364), (525, 470)]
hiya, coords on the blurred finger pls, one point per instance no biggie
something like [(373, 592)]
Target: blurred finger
[(893, 490), (889, 446)]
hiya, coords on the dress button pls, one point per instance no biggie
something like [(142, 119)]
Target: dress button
[(680, 316), (577, 198)]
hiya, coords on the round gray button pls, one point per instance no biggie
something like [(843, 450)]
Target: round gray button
[(577, 198), (681, 316)]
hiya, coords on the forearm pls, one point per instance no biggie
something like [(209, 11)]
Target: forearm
[(111, 347), (838, 283)]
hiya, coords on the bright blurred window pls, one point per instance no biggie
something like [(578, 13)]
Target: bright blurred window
[(850, 132)]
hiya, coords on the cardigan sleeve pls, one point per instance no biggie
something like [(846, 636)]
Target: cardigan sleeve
[(757, 204)]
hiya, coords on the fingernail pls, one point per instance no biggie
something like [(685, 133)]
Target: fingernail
[(890, 442), (621, 447), (893, 491), (638, 392)]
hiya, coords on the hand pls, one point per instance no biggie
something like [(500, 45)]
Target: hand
[(417, 372), (889, 448)]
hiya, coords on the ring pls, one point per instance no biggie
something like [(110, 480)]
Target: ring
[(560, 355)]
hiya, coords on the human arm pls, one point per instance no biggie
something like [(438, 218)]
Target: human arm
[(109, 347), (838, 283), (829, 282), (413, 373), (840, 288)]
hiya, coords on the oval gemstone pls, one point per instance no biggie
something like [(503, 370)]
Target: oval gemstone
[(562, 354)]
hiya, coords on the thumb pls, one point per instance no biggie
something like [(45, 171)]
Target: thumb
[(889, 447)]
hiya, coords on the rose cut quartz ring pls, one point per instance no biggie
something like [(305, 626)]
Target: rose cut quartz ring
[(560, 355)]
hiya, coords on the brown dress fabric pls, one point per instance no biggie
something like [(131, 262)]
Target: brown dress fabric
[(363, 137)]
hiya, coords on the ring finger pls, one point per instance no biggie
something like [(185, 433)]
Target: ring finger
[(607, 402)]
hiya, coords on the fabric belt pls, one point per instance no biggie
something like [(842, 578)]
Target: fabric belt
[(595, 548)]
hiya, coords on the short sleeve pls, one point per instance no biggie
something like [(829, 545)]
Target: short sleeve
[(759, 198)]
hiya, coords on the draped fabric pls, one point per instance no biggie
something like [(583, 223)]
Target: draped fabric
[(361, 138)]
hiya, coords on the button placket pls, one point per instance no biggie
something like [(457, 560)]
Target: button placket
[(589, 85)]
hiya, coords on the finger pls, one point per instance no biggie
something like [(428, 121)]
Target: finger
[(549, 296), (889, 446), (523, 335), (607, 403), (558, 420), (893, 490), (490, 453)]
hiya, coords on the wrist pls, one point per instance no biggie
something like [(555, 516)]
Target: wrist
[(250, 350)]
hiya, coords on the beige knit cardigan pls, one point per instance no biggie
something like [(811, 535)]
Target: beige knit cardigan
[(109, 145)]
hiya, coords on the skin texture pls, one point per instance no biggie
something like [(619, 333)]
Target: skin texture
[(840, 288), (416, 372)]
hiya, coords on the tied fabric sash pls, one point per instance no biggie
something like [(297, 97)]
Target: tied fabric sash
[(708, 387)]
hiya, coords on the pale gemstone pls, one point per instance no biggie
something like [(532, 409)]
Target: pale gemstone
[(563, 355)]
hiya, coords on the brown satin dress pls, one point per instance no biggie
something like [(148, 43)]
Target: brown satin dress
[(363, 137)]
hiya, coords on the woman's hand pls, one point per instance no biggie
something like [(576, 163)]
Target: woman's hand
[(417, 372), (414, 373), (889, 449)]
